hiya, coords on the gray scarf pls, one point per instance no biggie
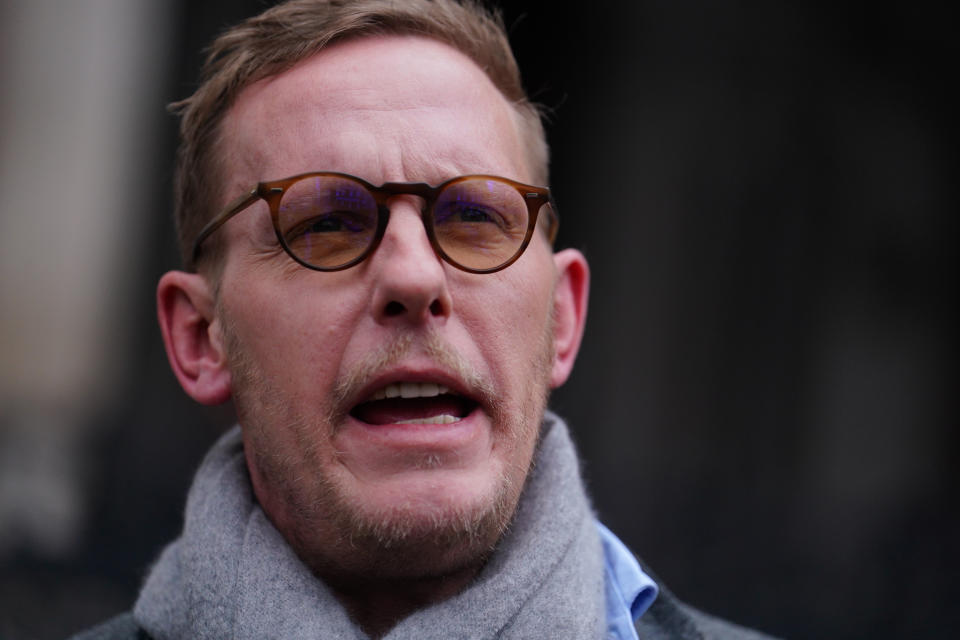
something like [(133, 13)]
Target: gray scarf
[(232, 575)]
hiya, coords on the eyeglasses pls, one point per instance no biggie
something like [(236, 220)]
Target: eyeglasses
[(332, 221)]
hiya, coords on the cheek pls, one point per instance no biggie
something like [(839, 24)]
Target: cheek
[(296, 336), (508, 320)]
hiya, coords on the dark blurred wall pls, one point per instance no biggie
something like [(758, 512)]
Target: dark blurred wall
[(766, 193)]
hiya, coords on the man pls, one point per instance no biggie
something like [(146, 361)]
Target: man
[(370, 278)]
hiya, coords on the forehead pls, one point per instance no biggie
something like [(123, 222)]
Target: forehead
[(385, 108)]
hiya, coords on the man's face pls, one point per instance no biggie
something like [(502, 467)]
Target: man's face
[(345, 476)]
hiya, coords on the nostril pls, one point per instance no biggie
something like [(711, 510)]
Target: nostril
[(394, 308), (436, 308)]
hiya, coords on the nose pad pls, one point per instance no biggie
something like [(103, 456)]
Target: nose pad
[(410, 279)]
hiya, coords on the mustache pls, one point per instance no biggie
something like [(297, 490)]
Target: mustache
[(392, 353)]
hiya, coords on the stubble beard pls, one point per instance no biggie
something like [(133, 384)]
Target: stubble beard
[(345, 540)]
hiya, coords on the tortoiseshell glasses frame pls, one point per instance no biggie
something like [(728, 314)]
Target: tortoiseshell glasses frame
[(329, 221)]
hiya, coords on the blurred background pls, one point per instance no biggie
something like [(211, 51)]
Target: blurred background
[(766, 396)]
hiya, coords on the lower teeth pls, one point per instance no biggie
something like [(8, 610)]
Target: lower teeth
[(442, 419)]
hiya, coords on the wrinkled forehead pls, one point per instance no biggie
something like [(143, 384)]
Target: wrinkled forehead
[(385, 108)]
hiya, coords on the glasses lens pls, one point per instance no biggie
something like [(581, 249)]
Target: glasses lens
[(480, 223), (327, 221)]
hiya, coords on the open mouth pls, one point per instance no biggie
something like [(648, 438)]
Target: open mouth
[(414, 403)]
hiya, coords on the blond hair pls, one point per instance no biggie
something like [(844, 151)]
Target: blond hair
[(286, 34)]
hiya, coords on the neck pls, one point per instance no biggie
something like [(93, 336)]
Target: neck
[(376, 606)]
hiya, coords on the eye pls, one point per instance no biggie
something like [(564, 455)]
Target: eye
[(472, 214), (332, 222), (466, 213)]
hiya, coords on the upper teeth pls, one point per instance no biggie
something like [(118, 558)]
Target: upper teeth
[(410, 390)]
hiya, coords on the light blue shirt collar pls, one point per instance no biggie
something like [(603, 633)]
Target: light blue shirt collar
[(629, 590)]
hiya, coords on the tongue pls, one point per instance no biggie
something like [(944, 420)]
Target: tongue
[(393, 410)]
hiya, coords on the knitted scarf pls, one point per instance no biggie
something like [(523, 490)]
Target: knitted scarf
[(231, 574)]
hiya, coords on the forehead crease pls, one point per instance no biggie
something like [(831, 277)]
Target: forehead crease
[(337, 113), (393, 148), (434, 166)]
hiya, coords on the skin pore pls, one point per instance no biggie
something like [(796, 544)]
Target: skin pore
[(393, 515)]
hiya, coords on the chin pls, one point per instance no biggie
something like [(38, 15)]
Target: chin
[(428, 526)]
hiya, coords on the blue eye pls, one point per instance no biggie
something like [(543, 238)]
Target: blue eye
[(465, 213), (332, 222), (314, 231), (323, 224), (472, 214)]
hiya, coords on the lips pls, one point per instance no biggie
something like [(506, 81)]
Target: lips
[(413, 402)]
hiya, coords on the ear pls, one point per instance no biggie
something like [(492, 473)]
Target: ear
[(191, 335), (570, 311)]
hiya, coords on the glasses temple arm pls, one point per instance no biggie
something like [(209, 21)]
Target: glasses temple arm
[(221, 218), (553, 223)]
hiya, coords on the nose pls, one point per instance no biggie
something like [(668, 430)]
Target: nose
[(410, 281)]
